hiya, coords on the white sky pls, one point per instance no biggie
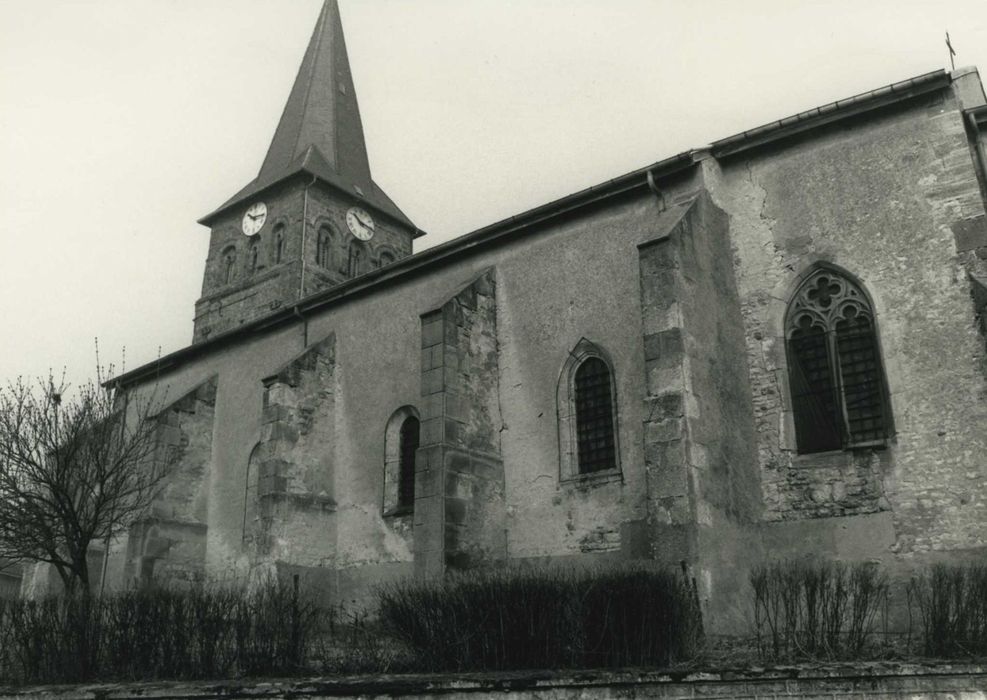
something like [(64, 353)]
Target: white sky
[(123, 121)]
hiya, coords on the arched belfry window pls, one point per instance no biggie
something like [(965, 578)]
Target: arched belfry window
[(278, 244), (229, 265), (357, 260), (402, 436), (254, 255), (587, 408), (839, 398), (323, 252)]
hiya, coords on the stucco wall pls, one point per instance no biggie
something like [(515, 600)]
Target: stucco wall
[(542, 310)]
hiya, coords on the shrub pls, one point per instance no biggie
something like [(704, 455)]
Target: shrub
[(526, 618), (815, 609), (160, 633), (952, 607)]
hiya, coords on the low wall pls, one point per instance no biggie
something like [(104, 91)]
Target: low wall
[(875, 681)]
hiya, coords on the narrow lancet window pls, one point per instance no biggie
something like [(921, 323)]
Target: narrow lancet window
[(410, 437), (594, 416)]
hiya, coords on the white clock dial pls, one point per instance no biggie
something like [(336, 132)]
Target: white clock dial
[(360, 223), (253, 220)]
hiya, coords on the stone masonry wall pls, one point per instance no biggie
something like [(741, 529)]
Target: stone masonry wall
[(293, 487), (670, 487), (893, 200), (459, 480), (254, 293), (703, 489), (169, 546)]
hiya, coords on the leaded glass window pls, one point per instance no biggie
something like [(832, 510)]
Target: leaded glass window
[(410, 436), (594, 416), (837, 382)]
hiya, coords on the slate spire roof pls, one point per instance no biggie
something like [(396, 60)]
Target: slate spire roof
[(320, 132)]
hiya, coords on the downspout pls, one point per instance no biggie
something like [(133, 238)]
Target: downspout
[(301, 286)]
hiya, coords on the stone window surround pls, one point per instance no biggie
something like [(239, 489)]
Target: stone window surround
[(774, 346), (390, 506), (566, 408), (385, 249)]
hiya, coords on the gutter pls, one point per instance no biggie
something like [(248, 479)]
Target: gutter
[(494, 234), (829, 113)]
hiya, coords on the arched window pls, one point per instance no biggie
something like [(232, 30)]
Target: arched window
[(323, 252), (251, 511), (587, 408), (278, 243), (410, 437), (358, 260), (229, 265), (401, 439), (594, 416), (839, 399), (253, 258), (386, 258)]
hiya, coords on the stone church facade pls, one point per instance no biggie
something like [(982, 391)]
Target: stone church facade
[(770, 346)]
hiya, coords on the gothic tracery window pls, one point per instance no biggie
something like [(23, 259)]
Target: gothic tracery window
[(834, 366)]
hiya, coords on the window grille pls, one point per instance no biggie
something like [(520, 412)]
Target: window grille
[(410, 437), (594, 417), (837, 382)]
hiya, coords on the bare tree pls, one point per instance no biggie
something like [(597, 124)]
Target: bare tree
[(72, 473)]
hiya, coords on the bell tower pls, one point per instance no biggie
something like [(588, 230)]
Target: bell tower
[(313, 217)]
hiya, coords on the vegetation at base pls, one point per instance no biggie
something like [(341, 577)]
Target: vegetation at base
[(951, 602), (159, 633), (488, 620), (519, 618), (815, 609)]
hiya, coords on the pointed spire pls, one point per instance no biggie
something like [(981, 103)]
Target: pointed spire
[(320, 132), (322, 110)]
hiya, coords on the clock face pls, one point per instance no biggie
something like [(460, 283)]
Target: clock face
[(253, 220), (360, 223)]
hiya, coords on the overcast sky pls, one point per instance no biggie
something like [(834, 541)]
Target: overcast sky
[(124, 121)]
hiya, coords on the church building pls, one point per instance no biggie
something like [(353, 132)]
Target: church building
[(766, 347)]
